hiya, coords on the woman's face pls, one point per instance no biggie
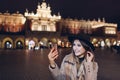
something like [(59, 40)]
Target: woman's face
[(78, 49)]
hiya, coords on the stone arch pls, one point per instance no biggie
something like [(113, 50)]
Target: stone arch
[(36, 40), (95, 42), (5, 40), (59, 41), (113, 41), (44, 41), (108, 42), (102, 42), (54, 40), (21, 40), (31, 44)]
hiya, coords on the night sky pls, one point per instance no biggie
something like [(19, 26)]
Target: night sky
[(80, 9)]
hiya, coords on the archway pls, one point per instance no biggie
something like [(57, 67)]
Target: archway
[(108, 42), (95, 42), (19, 45), (31, 44), (43, 42), (8, 45)]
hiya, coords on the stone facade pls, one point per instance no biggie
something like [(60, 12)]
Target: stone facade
[(42, 29)]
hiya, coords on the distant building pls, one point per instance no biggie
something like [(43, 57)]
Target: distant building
[(42, 20), (42, 29), (99, 30)]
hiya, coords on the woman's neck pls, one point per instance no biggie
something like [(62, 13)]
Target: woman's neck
[(80, 58)]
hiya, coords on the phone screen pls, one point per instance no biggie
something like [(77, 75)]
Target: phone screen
[(55, 46)]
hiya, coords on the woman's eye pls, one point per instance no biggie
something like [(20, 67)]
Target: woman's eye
[(73, 44), (79, 45)]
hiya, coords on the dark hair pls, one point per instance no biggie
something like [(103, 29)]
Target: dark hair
[(87, 48)]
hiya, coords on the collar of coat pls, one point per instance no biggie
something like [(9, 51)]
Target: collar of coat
[(71, 59)]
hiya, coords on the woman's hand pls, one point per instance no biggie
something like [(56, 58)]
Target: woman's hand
[(90, 56), (53, 54)]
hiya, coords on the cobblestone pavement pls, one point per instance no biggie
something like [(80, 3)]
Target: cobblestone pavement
[(33, 65)]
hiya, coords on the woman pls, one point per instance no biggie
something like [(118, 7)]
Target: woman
[(79, 64)]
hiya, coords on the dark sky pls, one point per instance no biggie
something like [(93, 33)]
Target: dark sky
[(86, 9)]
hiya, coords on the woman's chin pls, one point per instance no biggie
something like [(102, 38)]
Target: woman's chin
[(77, 54)]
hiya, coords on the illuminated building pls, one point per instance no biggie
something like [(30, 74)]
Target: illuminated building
[(42, 26), (12, 28), (99, 30), (42, 29), (42, 20), (12, 22)]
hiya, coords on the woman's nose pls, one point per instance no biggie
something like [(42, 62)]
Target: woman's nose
[(76, 47)]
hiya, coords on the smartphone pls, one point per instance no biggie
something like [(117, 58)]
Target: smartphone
[(55, 46)]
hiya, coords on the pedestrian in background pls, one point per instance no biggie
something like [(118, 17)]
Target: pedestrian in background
[(79, 64)]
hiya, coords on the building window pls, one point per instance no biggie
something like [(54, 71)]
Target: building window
[(35, 27), (110, 30), (44, 27)]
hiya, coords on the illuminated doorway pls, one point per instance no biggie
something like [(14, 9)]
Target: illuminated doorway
[(8, 45), (31, 45), (19, 45)]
